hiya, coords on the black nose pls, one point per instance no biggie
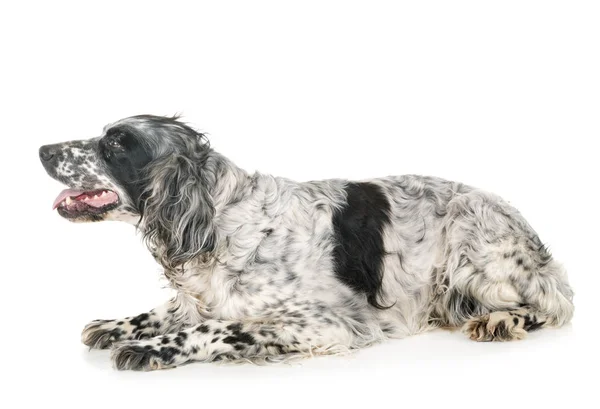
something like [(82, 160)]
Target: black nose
[(47, 152)]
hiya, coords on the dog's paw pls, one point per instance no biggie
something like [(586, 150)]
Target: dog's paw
[(144, 356), (101, 334), (497, 326)]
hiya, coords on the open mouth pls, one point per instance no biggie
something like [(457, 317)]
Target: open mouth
[(73, 203)]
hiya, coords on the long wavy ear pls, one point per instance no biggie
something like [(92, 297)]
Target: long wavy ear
[(178, 212)]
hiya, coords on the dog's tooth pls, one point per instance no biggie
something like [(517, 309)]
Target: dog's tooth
[(68, 200)]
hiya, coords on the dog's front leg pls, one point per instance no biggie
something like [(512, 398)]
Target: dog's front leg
[(215, 340), (102, 334)]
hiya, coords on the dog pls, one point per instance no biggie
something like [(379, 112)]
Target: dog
[(267, 269)]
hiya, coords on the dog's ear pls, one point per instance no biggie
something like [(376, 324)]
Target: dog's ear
[(177, 211)]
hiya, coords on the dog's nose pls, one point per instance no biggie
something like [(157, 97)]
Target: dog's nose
[(47, 152)]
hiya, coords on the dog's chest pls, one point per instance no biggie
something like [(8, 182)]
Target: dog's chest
[(257, 281)]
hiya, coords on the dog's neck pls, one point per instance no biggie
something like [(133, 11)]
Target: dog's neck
[(228, 183)]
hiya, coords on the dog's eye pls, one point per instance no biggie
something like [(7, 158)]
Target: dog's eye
[(114, 143)]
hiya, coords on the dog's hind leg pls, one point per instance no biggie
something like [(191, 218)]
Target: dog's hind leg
[(547, 303), (498, 280), (101, 334)]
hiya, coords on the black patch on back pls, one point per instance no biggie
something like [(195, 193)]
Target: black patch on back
[(358, 234)]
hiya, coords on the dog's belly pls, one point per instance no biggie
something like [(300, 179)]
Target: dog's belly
[(266, 292)]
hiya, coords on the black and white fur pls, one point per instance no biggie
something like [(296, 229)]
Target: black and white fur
[(267, 268)]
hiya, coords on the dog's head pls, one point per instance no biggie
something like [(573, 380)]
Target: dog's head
[(144, 169)]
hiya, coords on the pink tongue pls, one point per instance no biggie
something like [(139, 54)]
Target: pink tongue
[(64, 194)]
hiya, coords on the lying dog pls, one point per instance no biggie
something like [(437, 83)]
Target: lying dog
[(266, 268)]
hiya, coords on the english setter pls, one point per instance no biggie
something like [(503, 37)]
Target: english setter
[(266, 268)]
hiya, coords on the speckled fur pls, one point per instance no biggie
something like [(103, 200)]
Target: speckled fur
[(255, 277)]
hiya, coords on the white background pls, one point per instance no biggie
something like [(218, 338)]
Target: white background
[(501, 95)]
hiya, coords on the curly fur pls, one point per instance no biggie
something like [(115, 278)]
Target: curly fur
[(266, 268), (178, 211)]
